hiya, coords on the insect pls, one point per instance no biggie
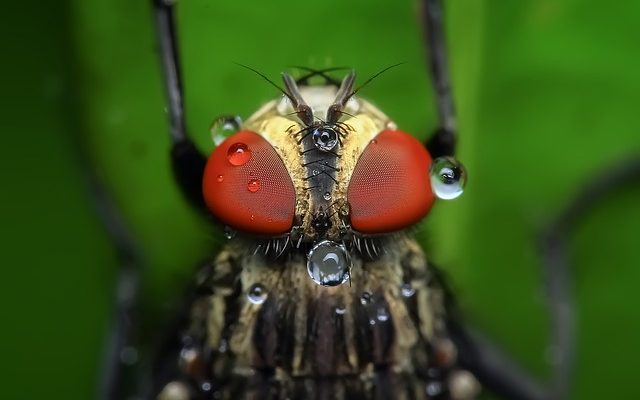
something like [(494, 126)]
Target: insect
[(317, 233)]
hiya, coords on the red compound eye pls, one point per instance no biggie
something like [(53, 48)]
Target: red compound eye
[(247, 186), (390, 187)]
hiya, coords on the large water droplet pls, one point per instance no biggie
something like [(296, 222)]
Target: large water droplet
[(253, 185), (326, 196), (448, 178), (223, 127), (238, 154), (257, 294), (325, 138), (328, 263)]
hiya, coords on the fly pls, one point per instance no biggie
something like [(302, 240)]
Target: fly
[(321, 292)]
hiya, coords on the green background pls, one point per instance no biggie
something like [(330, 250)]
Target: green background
[(547, 93)]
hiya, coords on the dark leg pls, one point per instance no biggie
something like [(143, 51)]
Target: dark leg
[(443, 142), (187, 161), (118, 375), (493, 369)]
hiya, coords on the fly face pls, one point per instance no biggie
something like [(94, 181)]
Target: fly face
[(323, 172)]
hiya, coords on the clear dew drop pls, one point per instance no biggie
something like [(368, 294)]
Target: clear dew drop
[(229, 233), (407, 290), (315, 172), (326, 196), (365, 298), (220, 178), (253, 185), (328, 263), (325, 138), (341, 310), (223, 127), (448, 178), (238, 154), (257, 294), (382, 314)]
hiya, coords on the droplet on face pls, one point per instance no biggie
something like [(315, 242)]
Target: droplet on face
[(257, 294), (365, 298), (448, 178), (340, 310), (253, 185), (238, 154), (382, 314), (407, 290), (328, 263), (326, 196), (229, 233), (325, 138), (223, 127)]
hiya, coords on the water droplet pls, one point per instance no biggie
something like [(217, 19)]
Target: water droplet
[(238, 154), (257, 294), (382, 314), (407, 290), (253, 185), (326, 196), (252, 218), (325, 138), (374, 141), (328, 263), (345, 209), (315, 172), (365, 298), (372, 322), (340, 310), (434, 388), (223, 127), (206, 386), (229, 233), (448, 178), (220, 178)]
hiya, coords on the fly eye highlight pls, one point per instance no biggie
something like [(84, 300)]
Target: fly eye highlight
[(247, 186)]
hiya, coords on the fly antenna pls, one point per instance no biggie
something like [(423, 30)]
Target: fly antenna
[(377, 74), (275, 85)]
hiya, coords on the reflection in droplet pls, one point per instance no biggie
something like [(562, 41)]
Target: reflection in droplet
[(253, 185), (407, 290), (326, 196), (448, 178), (238, 154), (365, 298), (257, 294), (325, 138), (223, 127), (328, 263), (229, 233), (382, 314)]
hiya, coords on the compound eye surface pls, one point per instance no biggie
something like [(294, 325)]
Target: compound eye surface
[(247, 186), (390, 187)]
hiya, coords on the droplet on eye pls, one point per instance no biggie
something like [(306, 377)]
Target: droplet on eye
[(253, 185), (220, 178), (328, 264), (223, 127), (325, 138), (238, 154), (257, 294), (448, 178)]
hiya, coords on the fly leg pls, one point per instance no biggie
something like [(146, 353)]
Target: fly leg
[(443, 141), (118, 370), (187, 161)]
